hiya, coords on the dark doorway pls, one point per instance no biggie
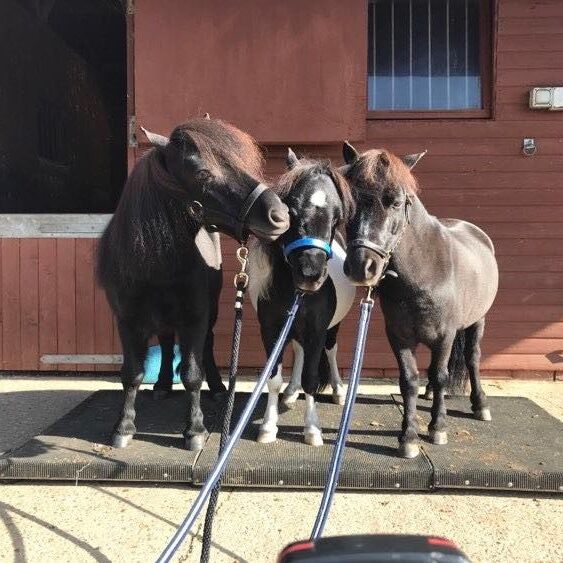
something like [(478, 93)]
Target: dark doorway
[(63, 140)]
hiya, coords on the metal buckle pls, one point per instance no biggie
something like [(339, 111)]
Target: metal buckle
[(241, 278)]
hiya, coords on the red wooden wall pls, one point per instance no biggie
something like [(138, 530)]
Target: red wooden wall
[(474, 170)]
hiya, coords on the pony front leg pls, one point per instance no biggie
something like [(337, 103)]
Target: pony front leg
[(269, 428), (192, 341), (312, 428), (312, 431), (134, 346), (291, 392), (473, 336), (331, 348), (408, 383)]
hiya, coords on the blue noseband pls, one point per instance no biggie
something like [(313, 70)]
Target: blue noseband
[(308, 242)]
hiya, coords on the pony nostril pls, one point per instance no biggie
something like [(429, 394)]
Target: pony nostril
[(369, 269), (279, 216)]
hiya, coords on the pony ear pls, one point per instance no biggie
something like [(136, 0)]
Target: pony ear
[(349, 153), (411, 160), (156, 140), (206, 116), (291, 159)]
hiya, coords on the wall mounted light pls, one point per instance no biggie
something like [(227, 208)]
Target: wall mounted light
[(547, 97)]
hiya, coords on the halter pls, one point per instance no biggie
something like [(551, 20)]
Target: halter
[(197, 212), (308, 242), (384, 253)]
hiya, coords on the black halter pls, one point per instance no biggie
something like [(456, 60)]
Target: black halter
[(197, 212), (384, 253)]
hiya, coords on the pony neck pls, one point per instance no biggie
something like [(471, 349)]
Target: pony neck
[(418, 235)]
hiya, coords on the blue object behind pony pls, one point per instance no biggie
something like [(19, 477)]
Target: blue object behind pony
[(152, 364)]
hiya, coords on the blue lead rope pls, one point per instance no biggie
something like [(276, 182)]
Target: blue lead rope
[(308, 242), (338, 451), (223, 459)]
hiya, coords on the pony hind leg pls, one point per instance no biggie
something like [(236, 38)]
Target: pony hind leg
[(134, 344), (473, 336), (408, 384), (192, 340), (291, 392), (331, 349), (212, 375), (269, 428), (163, 387), (438, 376)]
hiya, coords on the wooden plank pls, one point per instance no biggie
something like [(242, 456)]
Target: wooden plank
[(527, 247), (1, 312), (534, 263), (530, 9), (103, 327), (531, 296), (544, 313), (66, 299), (52, 225), (529, 230), (29, 303), (47, 249), (523, 329), (531, 26), (11, 319), (527, 42), (533, 280), (483, 164), (487, 214), (85, 337), (532, 59)]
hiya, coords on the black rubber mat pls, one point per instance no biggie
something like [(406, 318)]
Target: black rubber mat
[(370, 460), (520, 449), (75, 447)]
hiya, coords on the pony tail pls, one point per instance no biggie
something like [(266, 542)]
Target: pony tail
[(457, 370)]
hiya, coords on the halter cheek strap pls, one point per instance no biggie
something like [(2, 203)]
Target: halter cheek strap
[(308, 242)]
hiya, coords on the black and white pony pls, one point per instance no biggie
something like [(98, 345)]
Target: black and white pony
[(308, 257), (159, 265), (447, 282)]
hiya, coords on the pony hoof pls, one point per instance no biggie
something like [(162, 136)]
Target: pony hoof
[(338, 397), (314, 439), (267, 436), (160, 394), (290, 399), (121, 440), (195, 443), (483, 414), (438, 437), (409, 450), (428, 395)]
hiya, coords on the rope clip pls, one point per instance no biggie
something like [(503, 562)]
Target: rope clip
[(241, 279)]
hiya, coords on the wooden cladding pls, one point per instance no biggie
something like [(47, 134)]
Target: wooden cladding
[(288, 71)]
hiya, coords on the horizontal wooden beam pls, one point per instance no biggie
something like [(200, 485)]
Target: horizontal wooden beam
[(82, 359), (71, 225)]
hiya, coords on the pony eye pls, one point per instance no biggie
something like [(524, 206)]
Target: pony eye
[(397, 203), (203, 175)]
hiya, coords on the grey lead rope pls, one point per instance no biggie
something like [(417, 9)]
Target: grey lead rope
[(223, 459), (337, 452)]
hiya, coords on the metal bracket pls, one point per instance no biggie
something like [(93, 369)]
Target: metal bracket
[(132, 131)]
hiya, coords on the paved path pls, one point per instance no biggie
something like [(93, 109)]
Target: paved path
[(63, 522)]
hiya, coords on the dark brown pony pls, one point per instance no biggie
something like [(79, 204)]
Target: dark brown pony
[(447, 281), (159, 264)]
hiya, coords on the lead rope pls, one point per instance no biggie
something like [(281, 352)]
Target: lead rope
[(338, 451), (241, 283), (217, 471)]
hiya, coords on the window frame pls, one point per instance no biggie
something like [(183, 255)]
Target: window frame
[(486, 54)]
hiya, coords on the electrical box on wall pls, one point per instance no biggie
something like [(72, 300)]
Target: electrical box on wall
[(547, 97)]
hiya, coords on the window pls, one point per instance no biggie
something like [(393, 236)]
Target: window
[(427, 56)]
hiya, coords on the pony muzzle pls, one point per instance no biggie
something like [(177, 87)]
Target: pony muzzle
[(364, 267)]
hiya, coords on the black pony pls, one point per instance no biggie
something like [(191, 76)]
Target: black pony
[(447, 281), (305, 258), (159, 265)]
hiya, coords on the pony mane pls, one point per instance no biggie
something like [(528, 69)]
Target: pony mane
[(376, 165), (142, 238), (221, 144), (309, 167)]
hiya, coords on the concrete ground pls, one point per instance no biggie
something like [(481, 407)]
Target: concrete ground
[(104, 522)]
